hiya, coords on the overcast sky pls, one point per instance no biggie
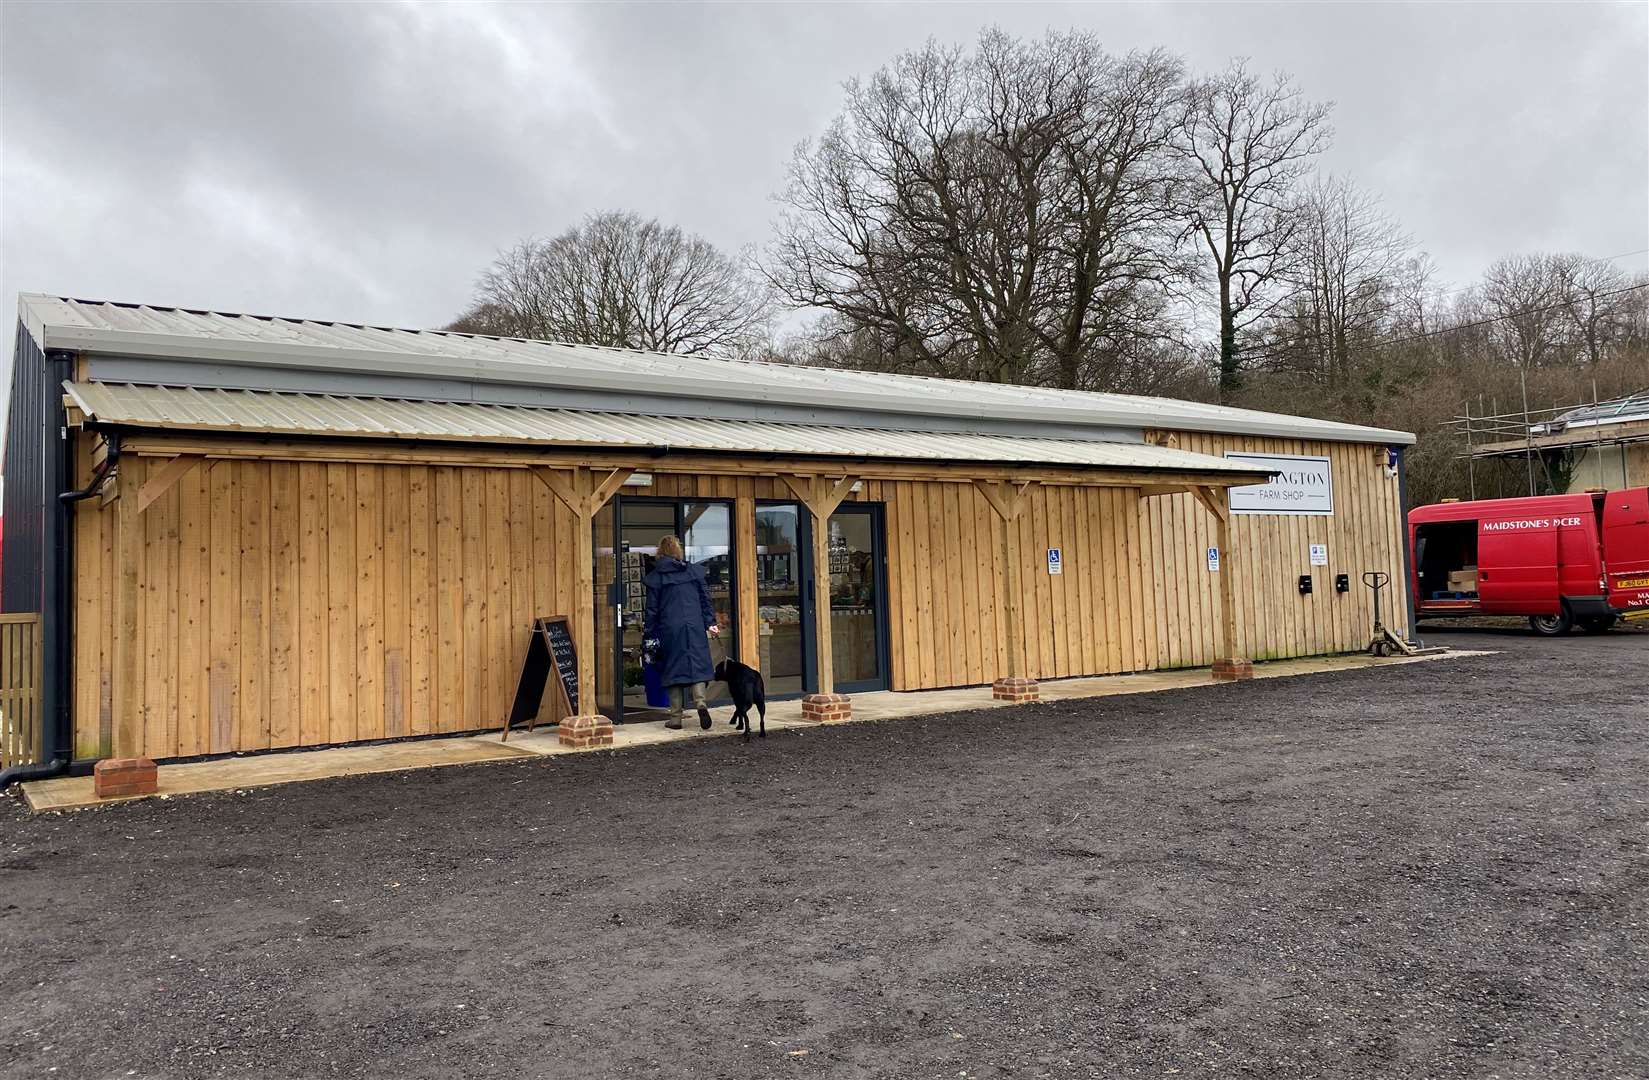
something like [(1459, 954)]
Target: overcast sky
[(362, 162)]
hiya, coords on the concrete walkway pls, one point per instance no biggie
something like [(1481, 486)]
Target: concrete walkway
[(262, 770)]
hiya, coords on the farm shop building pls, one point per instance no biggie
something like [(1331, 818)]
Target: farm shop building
[(295, 533)]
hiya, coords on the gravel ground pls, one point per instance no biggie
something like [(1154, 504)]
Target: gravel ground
[(1434, 871)]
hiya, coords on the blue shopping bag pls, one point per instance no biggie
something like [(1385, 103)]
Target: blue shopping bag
[(658, 696)]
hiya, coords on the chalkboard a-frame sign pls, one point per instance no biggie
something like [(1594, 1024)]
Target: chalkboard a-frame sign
[(550, 649)]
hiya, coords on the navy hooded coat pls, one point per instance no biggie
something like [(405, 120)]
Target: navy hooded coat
[(679, 614)]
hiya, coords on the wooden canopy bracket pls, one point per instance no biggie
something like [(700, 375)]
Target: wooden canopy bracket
[(1151, 491), (607, 488), (578, 489), (557, 480), (1211, 498), (1005, 497), (163, 478), (818, 493)]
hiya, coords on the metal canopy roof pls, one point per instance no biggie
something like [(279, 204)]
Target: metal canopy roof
[(328, 348), (265, 413)]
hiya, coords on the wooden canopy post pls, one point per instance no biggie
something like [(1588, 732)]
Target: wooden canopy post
[(126, 691), (1008, 500), (1228, 666), (744, 577), (584, 492), (822, 496)]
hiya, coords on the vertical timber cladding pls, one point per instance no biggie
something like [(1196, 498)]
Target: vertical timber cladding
[(304, 603), (1365, 532)]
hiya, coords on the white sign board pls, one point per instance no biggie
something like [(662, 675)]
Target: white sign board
[(1213, 560), (1319, 554), (1303, 486), (1056, 561)]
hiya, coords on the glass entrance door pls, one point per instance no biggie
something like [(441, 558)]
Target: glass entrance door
[(706, 531), (783, 617), (858, 607), (626, 546)]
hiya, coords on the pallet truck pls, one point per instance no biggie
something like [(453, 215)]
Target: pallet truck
[(1385, 642)]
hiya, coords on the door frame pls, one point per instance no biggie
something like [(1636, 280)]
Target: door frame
[(884, 646), (617, 588), (804, 567)]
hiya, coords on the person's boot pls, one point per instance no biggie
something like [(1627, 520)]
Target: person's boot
[(704, 716), (674, 723)]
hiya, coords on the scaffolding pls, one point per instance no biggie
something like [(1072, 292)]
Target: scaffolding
[(1536, 434)]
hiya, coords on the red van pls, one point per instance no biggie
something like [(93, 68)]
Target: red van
[(1562, 560)]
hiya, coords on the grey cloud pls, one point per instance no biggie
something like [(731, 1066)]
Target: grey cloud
[(364, 161)]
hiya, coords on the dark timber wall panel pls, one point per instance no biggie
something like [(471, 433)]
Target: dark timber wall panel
[(22, 575)]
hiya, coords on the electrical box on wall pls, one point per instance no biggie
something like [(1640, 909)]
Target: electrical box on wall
[(1305, 584), (1342, 582)]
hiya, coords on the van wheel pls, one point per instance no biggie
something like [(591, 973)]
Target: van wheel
[(1597, 624), (1551, 625)]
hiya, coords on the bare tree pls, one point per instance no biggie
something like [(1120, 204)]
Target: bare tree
[(1246, 142), (617, 279), (1523, 296), (1594, 300), (996, 214), (1349, 274)]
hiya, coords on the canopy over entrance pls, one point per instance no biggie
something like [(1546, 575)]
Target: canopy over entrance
[(253, 412)]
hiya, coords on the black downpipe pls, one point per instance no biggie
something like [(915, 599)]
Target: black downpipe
[(56, 609), (1408, 567)]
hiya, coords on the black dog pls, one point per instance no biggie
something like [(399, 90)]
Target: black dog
[(748, 688)]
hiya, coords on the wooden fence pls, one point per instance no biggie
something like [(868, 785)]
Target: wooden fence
[(20, 650)]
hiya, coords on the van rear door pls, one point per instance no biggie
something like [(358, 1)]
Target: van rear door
[(1517, 566), (1626, 548)]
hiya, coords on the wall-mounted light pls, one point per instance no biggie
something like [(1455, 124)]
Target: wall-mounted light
[(640, 479)]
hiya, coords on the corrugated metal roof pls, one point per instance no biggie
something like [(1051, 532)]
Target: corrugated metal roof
[(179, 334), (265, 412)]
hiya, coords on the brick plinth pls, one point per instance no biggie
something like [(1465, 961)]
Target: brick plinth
[(584, 732), (114, 777), (1233, 669), (826, 708), (1016, 690)]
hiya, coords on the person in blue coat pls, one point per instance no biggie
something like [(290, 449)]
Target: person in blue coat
[(681, 619)]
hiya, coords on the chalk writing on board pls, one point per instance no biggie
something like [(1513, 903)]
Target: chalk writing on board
[(549, 647)]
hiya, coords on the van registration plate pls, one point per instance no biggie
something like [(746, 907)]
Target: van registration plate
[(1633, 583)]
